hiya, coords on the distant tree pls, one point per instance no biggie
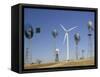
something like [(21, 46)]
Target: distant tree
[(39, 61)]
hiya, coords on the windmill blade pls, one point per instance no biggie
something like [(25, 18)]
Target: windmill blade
[(63, 27), (64, 38), (72, 28)]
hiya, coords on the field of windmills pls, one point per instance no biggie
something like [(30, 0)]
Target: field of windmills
[(60, 45)]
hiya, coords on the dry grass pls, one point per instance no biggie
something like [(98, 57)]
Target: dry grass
[(84, 62)]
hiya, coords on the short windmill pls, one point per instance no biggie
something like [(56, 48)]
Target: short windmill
[(57, 55), (90, 29), (77, 39), (29, 34), (54, 34), (66, 37)]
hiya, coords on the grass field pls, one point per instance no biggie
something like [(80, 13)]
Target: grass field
[(81, 62)]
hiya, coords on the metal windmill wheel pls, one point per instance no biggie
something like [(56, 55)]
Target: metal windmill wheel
[(54, 33), (77, 38), (90, 27), (29, 31)]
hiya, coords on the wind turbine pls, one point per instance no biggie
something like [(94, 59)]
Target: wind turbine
[(66, 37)]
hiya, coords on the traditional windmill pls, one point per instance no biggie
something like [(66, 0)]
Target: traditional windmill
[(77, 39), (90, 29), (54, 34), (29, 34)]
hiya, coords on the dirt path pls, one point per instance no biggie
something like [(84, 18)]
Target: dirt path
[(61, 64)]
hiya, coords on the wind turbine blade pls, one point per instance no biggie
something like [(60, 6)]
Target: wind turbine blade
[(64, 38), (72, 28), (63, 27)]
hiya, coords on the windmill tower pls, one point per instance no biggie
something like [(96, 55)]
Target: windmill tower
[(83, 56), (29, 35), (54, 34), (66, 37), (77, 39), (90, 41), (27, 55)]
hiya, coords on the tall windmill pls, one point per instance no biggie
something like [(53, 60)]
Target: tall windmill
[(77, 39), (29, 34), (90, 29), (66, 37), (54, 34)]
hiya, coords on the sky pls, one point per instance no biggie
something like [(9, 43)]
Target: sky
[(42, 44)]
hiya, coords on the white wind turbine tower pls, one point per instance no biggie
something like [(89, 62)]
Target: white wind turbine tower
[(66, 37)]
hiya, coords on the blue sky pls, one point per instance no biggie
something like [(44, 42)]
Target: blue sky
[(48, 20)]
